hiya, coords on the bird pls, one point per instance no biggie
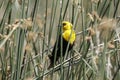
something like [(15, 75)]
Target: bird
[(68, 37)]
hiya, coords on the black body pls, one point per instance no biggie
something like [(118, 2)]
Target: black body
[(58, 50)]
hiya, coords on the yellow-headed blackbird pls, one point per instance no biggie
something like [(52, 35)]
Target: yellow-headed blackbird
[(68, 36)]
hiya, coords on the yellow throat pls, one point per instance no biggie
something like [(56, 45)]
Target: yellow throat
[(68, 32)]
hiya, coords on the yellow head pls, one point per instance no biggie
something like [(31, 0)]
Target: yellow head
[(68, 33), (66, 25)]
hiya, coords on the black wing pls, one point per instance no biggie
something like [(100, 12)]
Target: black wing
[(57, 50)]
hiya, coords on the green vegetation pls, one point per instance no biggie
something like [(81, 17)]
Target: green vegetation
[(29, 29)]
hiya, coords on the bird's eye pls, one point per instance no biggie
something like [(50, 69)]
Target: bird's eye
[(64, 24)]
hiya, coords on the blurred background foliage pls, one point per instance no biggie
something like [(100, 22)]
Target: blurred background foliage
[(28, 31)]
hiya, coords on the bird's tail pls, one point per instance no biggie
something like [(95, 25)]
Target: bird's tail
[(51, 61)]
